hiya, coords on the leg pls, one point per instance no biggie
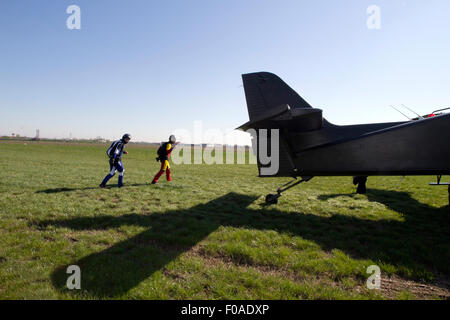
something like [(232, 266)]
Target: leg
[(168, 177), (159, 174), (111, 173), (120, 168)]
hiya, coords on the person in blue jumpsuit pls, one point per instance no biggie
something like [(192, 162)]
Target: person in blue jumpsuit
[(115, 152)]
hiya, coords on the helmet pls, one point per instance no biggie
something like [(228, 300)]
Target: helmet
[(125, 136), (172, 139)]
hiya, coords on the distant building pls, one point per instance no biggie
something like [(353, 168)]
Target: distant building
[(36, 138), (100, 139)]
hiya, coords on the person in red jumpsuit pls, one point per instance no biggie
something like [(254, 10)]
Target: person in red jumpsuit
[(164, 152)]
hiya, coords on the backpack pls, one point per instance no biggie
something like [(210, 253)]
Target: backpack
[(162, 151)]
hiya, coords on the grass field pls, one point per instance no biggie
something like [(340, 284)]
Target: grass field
[(208, 235)]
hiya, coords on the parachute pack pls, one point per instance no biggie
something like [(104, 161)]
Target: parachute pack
[(162, 151)]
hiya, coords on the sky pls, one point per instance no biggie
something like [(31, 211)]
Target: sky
[(150, 68)]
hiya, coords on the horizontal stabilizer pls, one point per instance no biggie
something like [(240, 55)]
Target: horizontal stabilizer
[(264, 117), (283, 117)]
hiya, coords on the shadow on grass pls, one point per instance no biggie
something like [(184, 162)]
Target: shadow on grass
[(418, 246), (111, 186)]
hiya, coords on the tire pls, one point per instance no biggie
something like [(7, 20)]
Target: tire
[(271, 198)]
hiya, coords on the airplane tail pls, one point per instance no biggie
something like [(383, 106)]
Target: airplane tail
[(272, 104), (264, 91)]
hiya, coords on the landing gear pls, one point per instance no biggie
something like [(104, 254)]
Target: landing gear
[(439, 183), (273, 198), (361, 182)]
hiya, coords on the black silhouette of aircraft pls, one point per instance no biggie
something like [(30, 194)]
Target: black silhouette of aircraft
[(309, 145)]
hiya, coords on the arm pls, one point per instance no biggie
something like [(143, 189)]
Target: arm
[(170, 148), (117, 152)]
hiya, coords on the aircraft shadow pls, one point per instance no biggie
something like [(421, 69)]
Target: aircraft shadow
[(420, 243)]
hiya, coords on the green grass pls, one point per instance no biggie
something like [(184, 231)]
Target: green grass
[(207, 234)]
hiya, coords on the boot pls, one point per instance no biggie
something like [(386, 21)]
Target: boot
[(103, 184)]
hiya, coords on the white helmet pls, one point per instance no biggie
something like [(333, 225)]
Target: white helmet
[(172, 139)]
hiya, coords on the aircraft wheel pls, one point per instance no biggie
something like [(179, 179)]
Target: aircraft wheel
[(272, 198)]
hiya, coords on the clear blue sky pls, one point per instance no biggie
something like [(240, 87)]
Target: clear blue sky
[(149, 67)]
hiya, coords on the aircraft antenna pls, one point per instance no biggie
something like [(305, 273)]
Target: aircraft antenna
[(420, 117), (400, 112)]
